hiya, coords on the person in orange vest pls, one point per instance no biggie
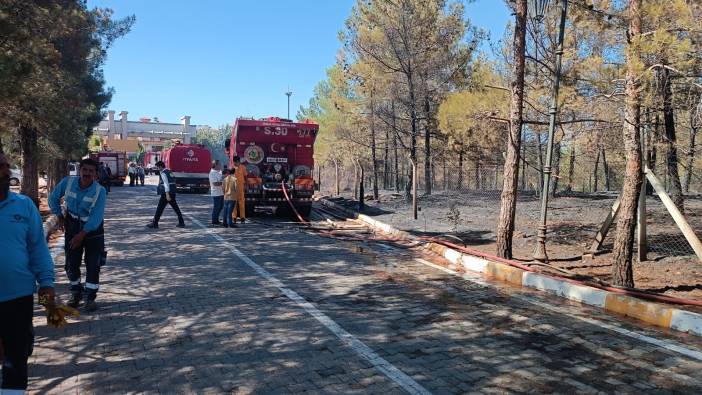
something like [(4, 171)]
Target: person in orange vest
[(240, 174)]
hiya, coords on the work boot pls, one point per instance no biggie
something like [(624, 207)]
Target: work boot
[(74, 301), (90, 306), (152, 225), (181, 225)]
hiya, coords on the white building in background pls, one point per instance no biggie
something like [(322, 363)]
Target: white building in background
[(125, 135)]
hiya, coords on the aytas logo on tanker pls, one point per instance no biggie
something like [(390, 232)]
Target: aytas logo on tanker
[(190, 157)]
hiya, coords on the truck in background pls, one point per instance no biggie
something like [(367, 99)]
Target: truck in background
[(278, 154), (116, 161), (150, 159), (190, 164)]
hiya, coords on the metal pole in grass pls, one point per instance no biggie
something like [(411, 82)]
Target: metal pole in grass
[(538, 7)]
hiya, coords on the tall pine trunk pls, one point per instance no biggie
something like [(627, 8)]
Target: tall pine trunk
[(56, 172), (460, 169), (571, 169), (622, 270), (374, 152), (427, 149), (523, 175), (30, 173), (394, 146), (595, 172), (386, 161), (605, 167), (652, 154), (690, 157), (556, 168), (540, 178), (508, 200), (666, 94)]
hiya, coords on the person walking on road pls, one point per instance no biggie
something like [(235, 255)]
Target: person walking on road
[(83, 223), (104, 177), (216, 192), (167, 190), (141, 174), (131, 171), (240, 174), (231, 194), (26, 261)]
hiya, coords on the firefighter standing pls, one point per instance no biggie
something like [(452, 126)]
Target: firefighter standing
[(167, 190), (84, 231), (240, 174)]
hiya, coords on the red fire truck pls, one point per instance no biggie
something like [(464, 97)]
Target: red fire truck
[(190, 164), (278, 154), (117, 163)]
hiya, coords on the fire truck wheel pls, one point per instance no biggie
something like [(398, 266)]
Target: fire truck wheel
[(304, 211)]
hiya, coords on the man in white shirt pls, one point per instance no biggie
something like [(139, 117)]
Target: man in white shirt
[(216, 192)]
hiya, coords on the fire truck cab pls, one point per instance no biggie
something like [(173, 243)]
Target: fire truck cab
[(190, 164), (278, 155)]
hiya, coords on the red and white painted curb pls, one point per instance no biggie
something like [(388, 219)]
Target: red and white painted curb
[(653, 313)]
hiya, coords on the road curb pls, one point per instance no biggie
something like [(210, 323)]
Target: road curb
[(50, 225), (650, 312)]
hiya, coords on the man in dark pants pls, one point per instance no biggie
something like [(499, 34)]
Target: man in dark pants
[(25, 262), (216, 192), (84, 231), (167, 190), (104, 176)]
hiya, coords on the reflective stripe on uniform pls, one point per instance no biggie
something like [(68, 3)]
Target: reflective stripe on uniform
[(77, 282), (70, 194), (92, 286)]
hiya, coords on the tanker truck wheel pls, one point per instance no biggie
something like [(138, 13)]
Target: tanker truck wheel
[(304, 211)]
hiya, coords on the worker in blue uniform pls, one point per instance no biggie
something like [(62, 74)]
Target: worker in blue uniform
[(82, 221), (25, 262)]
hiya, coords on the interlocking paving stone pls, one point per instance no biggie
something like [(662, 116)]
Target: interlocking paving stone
[(179, 313)]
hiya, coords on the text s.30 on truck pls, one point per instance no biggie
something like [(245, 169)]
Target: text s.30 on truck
[(190, 164), (277, 152)]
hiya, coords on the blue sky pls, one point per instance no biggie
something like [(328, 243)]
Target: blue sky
[(217, 60)]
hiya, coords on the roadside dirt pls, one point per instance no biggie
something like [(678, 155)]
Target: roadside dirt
[(672, 267)]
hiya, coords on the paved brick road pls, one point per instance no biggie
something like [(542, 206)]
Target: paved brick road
[(181, 313)]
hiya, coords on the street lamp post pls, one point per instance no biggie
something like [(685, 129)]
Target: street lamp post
[(539, 8), (288, 94)]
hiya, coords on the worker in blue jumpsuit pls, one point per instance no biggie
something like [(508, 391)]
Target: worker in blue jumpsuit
[(25, 262), (84, 230)]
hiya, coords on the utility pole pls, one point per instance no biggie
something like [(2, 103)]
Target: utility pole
[(288, 94), (540, 254)]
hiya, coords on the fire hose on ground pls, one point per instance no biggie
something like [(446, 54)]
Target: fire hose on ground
[(593, 282)]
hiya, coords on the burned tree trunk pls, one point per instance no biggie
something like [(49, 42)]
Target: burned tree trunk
[(666, 94), (374, 152), (508, 200), (605, 167), (427, 149), (30, 174), (571, 169), (556, 168), (622, 270), (690, 165), (460, 169), (595, 171)]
